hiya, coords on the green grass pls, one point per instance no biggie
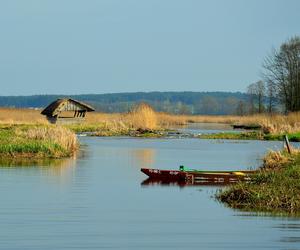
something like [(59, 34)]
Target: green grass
[(293, 137), (34, 147), (233, 136), (99, 129), (15, 142), (275, 190), (81, 128)]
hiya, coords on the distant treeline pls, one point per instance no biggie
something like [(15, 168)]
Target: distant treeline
[(213, 103)]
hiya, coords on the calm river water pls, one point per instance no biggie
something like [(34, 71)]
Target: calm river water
[(96, 201)]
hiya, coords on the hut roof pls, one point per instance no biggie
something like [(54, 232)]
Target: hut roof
[(66, 104)]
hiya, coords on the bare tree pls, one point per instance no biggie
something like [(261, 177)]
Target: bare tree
[(282, 72), (209, 105), (252, 98), (271, 97), (260, 93), (256, 92), (240, 109)]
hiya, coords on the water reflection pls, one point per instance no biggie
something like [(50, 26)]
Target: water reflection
[(155, 182), (289, 227), (55, 167), (290, 239), (144, 157), (292, 229)]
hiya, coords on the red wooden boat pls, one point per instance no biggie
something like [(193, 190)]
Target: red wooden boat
[(193, 176), (209, 182)]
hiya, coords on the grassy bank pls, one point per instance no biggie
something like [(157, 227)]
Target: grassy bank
[(36, 141), (293, 137), (234, 136), (275, 188)]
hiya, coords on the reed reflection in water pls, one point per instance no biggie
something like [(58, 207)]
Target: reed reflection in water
[(58, 170), (291, 230), (154, 182), (144, 158)]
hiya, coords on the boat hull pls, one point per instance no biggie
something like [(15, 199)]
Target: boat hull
[(171, 175), (197, 176)]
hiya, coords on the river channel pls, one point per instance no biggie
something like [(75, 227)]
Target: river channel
[(98, 200)]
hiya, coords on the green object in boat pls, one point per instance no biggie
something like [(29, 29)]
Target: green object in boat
[(183, 168)]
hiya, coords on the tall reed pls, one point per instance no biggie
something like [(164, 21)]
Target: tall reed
[(142, 116), (56, 134)]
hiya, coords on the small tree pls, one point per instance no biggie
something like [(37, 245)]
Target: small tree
[(260, 93), (240, 109), (256, 92), (271, 96)]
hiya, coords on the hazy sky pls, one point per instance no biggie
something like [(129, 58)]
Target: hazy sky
[(105, 46)]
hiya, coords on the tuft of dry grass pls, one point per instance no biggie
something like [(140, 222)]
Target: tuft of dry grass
[(276, 159), (142, 116), (56, 134)]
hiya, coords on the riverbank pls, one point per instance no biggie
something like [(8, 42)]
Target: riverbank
[(36, 141), (143, 121), (275, 188), (251, 135)]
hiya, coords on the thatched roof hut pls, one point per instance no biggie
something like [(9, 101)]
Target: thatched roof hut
[(57, 110)]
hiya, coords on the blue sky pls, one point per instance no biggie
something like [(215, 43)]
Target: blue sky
[(106, 46)]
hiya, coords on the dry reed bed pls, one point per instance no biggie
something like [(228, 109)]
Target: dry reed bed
[(21, 116), (144, 117), (270, 123)]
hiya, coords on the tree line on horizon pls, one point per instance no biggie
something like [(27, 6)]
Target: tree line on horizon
[(211, 103)]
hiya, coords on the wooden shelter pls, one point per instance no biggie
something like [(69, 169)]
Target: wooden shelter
[(66, 111)]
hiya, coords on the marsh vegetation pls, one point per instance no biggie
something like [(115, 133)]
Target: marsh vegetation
[(36, 141), (275, 188), (144, 119)]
